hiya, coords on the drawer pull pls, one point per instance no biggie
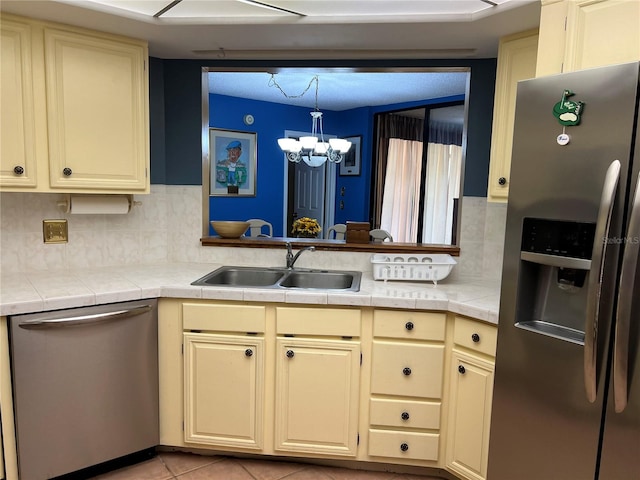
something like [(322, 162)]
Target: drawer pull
[(408, 326), (404, 447), (18, 170), (66, 171), (290, 354), (461, 369), (248, 352), (475, 337), (406, 371), (502, 181), (405, 415)]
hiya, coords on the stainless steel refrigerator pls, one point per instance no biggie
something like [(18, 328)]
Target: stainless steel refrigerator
[(566, 403)]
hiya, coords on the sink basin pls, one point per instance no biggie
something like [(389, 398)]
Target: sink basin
[(242, 277), (319, 280), (281, 278)]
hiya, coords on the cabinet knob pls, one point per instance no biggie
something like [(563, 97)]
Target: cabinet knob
[(461, 369), (66, 171), (290, 354), (248, 352), (475, 337), (502, 181), (408, 325), (406, 371), (404, 447), (18, 170), (405, 415)]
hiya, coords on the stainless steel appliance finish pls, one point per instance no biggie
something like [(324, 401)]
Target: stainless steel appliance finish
[(85, 386), (564, 406)]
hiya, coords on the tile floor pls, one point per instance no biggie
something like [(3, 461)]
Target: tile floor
[(187, 466)]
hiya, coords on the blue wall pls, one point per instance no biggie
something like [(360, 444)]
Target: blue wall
[(176, 158)]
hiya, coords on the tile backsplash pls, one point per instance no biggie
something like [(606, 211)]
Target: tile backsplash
[(166, 227)]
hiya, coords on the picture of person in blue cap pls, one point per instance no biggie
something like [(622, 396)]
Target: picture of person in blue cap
[(231, 171)]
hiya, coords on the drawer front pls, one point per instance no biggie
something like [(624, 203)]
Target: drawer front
[(223, 317), (475, 335), (341, 322), (409, 325), (407, 370), (414, 446), (405, 414)]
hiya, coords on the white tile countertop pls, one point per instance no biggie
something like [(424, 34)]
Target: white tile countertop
[(52, 290)]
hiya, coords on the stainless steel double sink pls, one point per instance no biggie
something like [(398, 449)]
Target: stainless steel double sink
[(282, 278)]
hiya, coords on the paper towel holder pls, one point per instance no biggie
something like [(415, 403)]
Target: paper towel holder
[(66, 203)]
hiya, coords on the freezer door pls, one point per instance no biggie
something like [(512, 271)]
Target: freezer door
[(543, 424)]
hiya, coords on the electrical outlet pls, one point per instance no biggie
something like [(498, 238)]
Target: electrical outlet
[(55, 231)]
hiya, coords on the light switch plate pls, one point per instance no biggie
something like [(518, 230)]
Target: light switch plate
[(55, 231)]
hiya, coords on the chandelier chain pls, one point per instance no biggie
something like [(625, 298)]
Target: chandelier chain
[(274, 83)]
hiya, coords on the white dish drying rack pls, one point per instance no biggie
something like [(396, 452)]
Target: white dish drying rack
[(412, 268)]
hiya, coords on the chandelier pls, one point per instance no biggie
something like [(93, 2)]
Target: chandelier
[(312, 149)]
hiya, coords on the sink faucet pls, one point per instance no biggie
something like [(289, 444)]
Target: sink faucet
[(291, 258)]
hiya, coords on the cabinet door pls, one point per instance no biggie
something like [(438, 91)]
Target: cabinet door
[(317, 391), (17, 149), (97, 112), (602, 32), (516, 61), (471, 390), (224, 390)]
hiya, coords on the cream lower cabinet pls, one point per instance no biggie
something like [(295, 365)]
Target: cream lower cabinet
[(288, 381), (78, 101), (224, 375), (317, 381), (406, 387), (580, 34), (470, 395), (224, 390), (317, 386)]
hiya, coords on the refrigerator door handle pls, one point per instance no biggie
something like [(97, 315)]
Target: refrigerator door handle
[(625, 301), (595, 278)]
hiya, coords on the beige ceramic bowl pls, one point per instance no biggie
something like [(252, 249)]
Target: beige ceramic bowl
[(230, 229)]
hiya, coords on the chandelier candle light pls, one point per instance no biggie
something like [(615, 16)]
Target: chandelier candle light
[(312, 150)]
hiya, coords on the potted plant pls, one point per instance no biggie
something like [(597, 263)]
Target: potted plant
[(306, 227)]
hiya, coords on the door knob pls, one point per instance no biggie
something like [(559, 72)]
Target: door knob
[(406, 371), (461, 369), (290, 354), (248, 352)]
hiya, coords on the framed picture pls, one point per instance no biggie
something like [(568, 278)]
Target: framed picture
[(350, 164), (232, 163)]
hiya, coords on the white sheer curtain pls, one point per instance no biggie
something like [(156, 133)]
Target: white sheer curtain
[(444, 163), (401, 199)]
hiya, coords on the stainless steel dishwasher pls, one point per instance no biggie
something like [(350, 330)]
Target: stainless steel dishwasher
[(85, 386)]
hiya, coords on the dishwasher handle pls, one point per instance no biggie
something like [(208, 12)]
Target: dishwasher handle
[(84, 319)]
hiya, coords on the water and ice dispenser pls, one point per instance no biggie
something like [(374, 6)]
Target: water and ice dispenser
[(555, 260)]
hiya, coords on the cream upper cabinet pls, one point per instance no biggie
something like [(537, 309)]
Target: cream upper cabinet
[(581, 34), (516, 61), (17, 149), (224, 406), (90, 92), (470, 395)]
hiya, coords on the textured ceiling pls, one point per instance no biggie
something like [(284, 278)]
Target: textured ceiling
[(339, 90)]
